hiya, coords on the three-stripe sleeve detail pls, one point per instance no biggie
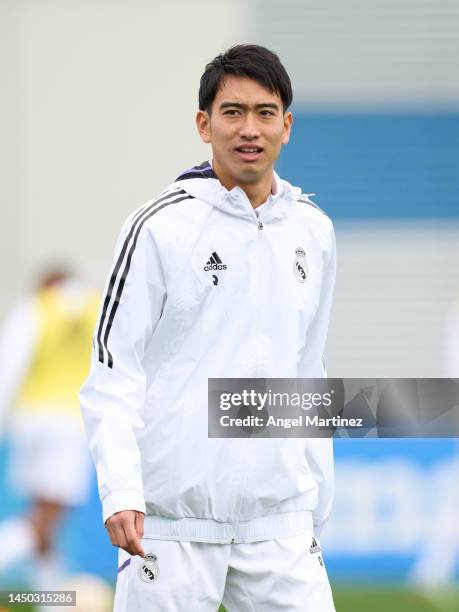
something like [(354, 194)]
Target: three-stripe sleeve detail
[(106, 319)]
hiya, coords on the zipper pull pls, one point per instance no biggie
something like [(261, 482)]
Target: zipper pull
[(260, 229)]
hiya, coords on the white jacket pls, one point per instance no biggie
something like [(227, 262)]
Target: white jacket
[(202, 286)]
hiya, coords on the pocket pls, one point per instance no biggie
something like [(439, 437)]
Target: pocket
[(184, 306), (189, 297)]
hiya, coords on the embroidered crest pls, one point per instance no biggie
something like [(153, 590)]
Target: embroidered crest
[(149, 569), (300, 266)]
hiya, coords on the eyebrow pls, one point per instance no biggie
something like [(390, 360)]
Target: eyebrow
[(272, 105)]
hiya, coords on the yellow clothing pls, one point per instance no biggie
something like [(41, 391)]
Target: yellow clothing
[(60, 362)]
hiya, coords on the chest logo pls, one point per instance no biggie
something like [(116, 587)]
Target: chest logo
[(149, 569), (300, 265), (213, 264)]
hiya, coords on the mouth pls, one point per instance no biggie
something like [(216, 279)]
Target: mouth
[(249, 152)]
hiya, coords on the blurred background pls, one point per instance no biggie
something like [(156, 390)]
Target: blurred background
[(97, 116)]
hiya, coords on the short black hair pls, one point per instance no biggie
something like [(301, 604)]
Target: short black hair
[(251, 61)]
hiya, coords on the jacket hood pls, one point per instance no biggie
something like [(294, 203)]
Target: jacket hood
[(201, 182)]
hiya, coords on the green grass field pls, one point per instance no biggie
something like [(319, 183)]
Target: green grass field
[(349, 599), (378, 600)]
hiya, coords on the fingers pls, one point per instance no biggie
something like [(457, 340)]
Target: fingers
[(139, 520), (115, 530), (134, 546), (123, 533)]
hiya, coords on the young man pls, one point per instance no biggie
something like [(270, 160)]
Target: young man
[(228, 273)]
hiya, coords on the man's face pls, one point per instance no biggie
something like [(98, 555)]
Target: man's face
[(246, 128)]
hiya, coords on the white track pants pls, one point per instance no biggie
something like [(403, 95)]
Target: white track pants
[(286, 574)]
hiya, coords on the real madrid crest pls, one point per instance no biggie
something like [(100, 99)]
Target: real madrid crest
[(149, 569), (300, 265)]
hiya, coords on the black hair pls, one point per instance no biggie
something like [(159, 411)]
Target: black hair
[(54, 273), (251, 61)]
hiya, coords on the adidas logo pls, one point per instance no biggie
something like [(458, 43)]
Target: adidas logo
[(214, 263), (315, 546)]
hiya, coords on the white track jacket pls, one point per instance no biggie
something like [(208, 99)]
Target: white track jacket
[(203, 286)]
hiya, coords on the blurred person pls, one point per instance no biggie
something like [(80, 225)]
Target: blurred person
[(228, 273), (44, 356)]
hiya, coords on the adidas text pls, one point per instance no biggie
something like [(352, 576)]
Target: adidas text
[(215, 267)]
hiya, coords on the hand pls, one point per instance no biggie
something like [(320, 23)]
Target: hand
[(126, 530)]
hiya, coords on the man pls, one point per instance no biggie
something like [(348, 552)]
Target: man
[(228, 273), (44, 356)]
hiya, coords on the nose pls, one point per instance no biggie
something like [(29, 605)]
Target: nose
[(249, 128)]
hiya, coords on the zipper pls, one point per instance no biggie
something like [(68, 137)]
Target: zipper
[(247, 445)]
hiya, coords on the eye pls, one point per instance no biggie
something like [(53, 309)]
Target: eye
[(231, 112), (267, 113)]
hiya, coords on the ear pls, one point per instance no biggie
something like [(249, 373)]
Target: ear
[(203, 125), (288, 120)]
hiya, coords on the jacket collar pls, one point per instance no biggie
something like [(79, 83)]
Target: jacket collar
[(201, 182)]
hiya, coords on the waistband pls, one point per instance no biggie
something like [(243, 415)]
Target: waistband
[(267, 527)]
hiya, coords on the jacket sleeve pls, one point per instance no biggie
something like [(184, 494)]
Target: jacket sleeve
[(319, 451), (113, 396)]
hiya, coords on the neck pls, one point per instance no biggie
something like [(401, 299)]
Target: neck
[(256, 192)]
